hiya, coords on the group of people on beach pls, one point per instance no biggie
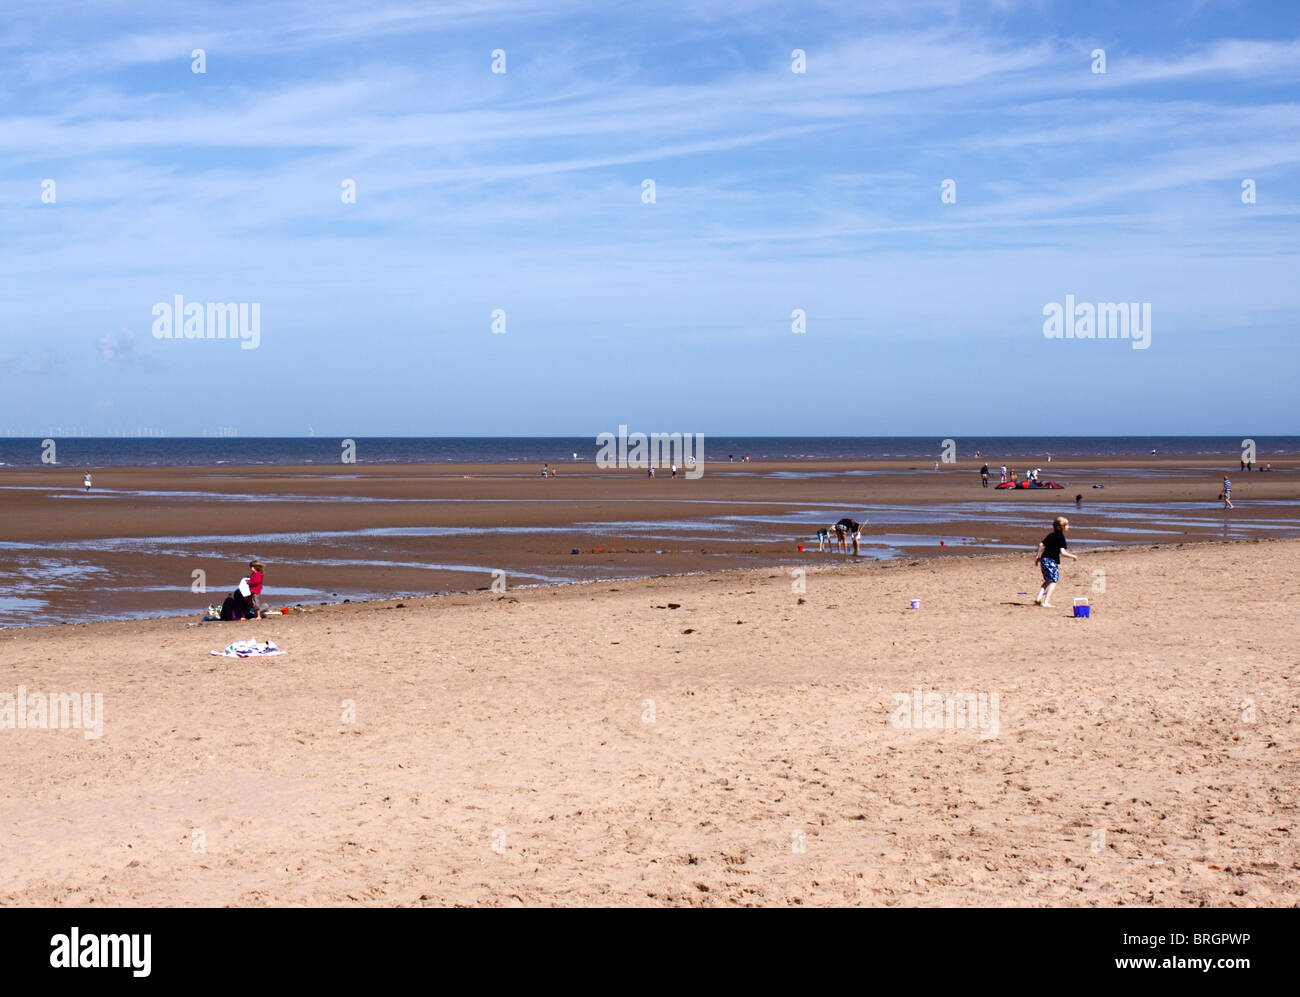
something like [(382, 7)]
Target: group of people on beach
[(1007, 475), (245, 603), (1051, 549)]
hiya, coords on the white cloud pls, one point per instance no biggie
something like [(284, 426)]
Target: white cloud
[(115, 345)]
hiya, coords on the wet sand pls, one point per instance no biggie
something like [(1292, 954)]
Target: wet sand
[(132, 546), (714, 740)]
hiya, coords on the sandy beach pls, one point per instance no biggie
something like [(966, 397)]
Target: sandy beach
[(714, 740)]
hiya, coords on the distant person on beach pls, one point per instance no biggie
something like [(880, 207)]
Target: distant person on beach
[(1004, 474), (1078, 501), (255, 574), (1048, 557), (650, 472), (823, 539), (674, 467), (1227, 494), (545, 471), (87, 481), (984, 475), (845, 530)]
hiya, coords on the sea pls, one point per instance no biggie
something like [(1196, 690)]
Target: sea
[(181, 451)]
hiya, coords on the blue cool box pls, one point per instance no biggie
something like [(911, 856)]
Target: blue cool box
[(1083, 612)]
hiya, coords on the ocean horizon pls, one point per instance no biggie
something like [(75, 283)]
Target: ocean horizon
[(183, 451)]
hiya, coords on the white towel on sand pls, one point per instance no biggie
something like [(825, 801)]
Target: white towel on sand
[(249, 649)]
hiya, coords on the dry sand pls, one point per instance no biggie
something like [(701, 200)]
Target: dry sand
[(595, 745)]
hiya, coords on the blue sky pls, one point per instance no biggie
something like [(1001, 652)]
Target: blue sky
[(775, 191)]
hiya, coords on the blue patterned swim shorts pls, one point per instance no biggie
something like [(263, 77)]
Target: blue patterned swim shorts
[(1050, 568)]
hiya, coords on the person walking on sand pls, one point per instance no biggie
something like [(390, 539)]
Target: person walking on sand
[(984, 475), (1048, 557), (87, 481), (1227, 493)]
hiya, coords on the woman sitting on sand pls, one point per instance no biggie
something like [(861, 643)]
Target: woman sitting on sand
[(1050, 551)]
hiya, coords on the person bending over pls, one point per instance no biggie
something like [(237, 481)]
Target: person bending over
[(846, 529)]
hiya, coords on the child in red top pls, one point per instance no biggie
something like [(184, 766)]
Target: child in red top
[(255, 586)]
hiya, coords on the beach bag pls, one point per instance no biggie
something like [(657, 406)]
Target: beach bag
[(228, 608)]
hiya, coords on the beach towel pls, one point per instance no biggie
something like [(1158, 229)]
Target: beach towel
[(249, 649)]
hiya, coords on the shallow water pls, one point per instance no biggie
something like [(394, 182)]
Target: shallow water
[(746, 537)]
